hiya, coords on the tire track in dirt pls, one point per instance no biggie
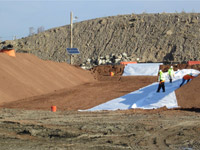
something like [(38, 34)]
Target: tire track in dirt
[(163, 138)]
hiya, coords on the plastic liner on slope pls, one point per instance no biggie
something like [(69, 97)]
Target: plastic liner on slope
[(147, 97), (143, 69)]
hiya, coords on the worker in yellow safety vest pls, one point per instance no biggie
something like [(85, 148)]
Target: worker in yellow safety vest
[(171, 74), (161, 80)]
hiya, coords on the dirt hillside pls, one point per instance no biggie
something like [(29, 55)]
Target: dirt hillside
[(166, 37), (26, 75), (188, 95)]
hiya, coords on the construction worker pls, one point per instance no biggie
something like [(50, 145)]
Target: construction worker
[(170, 73), (187, 77), (161, 80)]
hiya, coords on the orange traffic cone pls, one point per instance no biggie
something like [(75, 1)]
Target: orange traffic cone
[(53, 108), (112, 74)]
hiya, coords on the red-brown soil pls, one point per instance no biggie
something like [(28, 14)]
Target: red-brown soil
[(84, 96), (26, 75), (188, 95), (30, 83)]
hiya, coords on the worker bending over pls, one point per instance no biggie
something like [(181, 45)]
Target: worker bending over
[(187, 77)]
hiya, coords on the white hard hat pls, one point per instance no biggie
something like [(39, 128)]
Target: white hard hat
[(171, 67)]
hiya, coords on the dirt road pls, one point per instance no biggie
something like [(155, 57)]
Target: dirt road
[(108, 130)]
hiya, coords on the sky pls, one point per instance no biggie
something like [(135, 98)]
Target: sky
[(147, 97), (18, 16)]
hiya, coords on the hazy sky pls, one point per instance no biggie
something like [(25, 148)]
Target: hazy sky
[(17, 16)]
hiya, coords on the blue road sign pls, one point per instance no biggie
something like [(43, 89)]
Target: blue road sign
[(73, 51)]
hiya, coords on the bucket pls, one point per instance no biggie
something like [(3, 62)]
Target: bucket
[(112, 74), (53, 108)]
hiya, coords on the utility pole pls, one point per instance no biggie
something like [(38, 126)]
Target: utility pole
[(72, 50), (71, 22)]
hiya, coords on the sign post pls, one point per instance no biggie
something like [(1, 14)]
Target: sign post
[(71, 22), (72, 51)]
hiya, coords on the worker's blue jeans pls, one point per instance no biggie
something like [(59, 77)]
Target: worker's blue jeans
[(183, 81)]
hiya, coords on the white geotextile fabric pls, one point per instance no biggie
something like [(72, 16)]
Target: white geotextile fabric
[(147, 97), (142, 69)]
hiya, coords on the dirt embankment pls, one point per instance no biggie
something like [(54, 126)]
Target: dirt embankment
[(188, 95), (84, 96), (26, 75), (162, 37)]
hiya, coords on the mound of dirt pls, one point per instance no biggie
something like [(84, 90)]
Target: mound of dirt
[(26, 75), (101, 72), (188, 94), (165, 37)]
